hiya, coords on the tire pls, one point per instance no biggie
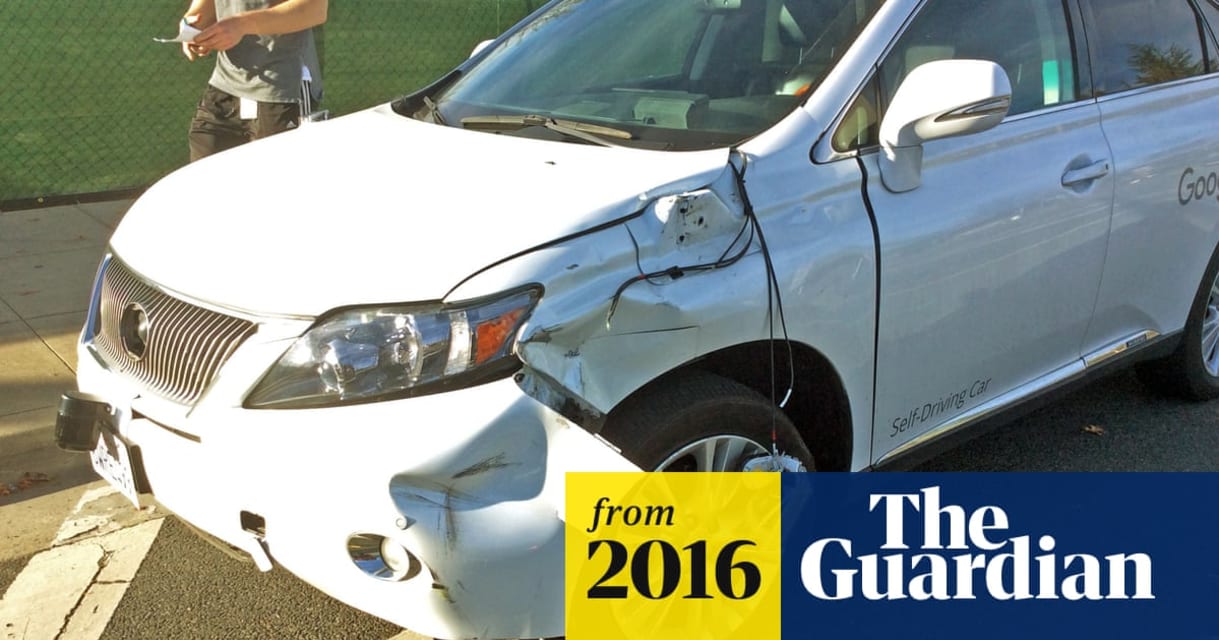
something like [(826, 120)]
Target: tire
[(696, 421), (1192, 371)]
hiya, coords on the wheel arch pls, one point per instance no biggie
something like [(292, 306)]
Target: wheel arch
[(819, 405)]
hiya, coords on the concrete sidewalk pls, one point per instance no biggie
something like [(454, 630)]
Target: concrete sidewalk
[(48, 258)]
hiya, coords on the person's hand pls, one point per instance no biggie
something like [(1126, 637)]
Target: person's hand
[(223, 35), (193, 51)]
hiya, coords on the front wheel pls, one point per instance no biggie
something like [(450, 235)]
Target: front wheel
[(696, 421)]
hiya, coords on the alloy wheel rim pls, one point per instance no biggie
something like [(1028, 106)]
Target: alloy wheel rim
[(1210, 331), (717, 453)]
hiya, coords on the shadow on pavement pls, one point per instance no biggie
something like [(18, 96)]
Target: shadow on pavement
[(53, 469)]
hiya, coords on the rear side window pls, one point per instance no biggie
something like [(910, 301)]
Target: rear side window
[(1210, 11), (1138, 43), (1030, 39)]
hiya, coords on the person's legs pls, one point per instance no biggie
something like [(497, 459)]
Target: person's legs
[(217, 124)]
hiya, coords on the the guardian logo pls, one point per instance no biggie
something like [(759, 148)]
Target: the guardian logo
[(987, 563)]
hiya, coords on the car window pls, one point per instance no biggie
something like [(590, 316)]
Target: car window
[(1136, 43), (1030, 39), (1210, 9), (1210, 14)]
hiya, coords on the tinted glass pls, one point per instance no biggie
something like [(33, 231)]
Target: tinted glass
[(1030, 39), (1210, 13), (1136, 43)]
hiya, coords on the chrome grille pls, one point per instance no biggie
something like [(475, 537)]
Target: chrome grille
[(183, 345)]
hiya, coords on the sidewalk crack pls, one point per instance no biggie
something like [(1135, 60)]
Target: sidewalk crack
[(47, 345), (101, 564)]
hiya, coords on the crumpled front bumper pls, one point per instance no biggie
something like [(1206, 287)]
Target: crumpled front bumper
[(469, 482)]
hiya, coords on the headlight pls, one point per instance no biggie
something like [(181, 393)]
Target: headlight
[(378, 353)]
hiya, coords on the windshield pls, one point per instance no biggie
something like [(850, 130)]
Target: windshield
[(661, 74)]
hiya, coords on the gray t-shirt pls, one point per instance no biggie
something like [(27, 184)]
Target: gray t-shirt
[(266, 68)]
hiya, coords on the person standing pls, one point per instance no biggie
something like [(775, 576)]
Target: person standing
[(266, 59)]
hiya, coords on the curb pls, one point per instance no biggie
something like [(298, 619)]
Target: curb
[(27, 440)]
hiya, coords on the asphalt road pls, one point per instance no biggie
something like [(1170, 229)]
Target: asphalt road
[(187, 589)]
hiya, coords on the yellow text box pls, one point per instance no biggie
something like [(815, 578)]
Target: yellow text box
[(673, 555)]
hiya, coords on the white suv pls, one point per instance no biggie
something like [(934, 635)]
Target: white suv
[(679, 235)]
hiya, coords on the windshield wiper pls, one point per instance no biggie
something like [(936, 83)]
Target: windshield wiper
[(434, 111), (409, 104), (592, 133)]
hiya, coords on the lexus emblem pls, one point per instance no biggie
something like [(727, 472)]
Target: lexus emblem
[(133, 331)]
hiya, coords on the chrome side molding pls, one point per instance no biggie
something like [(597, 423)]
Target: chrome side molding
[(1121, 346)]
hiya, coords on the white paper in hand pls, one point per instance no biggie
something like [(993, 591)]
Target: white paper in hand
[(186, 33)]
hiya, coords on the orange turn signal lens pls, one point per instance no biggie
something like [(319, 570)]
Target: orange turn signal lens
[(491, 336)]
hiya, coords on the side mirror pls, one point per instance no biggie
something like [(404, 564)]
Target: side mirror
[(938, 100), (479, 47)]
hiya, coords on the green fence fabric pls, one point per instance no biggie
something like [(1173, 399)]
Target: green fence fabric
[(90, 103)]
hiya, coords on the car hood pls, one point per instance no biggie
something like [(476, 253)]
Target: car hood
[(377, 208)]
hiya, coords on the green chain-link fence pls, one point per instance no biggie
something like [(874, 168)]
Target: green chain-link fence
[(90, 103)]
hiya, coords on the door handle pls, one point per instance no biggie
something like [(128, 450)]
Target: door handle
[(1094, 171)]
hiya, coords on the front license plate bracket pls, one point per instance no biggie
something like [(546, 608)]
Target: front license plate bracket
[(118, 461)]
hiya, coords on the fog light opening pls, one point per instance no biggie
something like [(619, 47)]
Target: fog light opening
[(382, 558)]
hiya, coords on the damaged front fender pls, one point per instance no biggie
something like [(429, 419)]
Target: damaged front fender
[(687, 280)]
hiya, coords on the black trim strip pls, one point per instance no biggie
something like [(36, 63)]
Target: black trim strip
[(867, 203), (136, 415)]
